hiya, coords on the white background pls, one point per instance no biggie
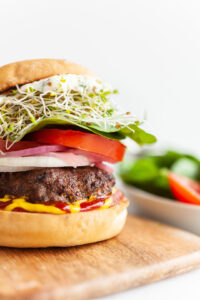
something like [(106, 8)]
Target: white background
[(149, 50)]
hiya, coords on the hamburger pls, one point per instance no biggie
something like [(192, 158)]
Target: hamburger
[(60, 134)]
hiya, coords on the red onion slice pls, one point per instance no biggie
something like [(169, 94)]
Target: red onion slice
[(104, 167), (35, 151)]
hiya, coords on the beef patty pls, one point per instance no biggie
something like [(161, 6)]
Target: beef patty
[(57, 184)]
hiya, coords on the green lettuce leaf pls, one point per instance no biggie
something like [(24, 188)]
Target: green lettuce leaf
[(138, 135), (132, 131), (59, 121)]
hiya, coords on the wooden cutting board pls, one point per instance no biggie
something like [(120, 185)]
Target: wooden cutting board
[(144, 252)]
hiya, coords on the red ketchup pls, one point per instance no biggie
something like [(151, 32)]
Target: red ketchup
[(89, 205)]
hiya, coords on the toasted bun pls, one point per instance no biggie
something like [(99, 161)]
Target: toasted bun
[(26, 71), (30, 230)]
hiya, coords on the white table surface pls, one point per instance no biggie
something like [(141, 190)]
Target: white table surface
[(183, 287)]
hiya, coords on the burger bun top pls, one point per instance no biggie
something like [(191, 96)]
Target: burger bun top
[(27, 71)]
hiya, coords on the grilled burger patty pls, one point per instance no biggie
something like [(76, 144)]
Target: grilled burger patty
[(57, 184)]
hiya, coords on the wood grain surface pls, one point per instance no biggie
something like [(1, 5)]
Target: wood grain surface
[(144, 252)]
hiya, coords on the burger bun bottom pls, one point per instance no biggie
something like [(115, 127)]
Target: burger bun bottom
[(35, 230)]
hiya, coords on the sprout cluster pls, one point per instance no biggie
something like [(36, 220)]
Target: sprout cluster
[(76, 98)]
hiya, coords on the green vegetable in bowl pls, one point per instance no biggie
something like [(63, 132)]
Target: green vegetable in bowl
[(149, 172), (186, 167)]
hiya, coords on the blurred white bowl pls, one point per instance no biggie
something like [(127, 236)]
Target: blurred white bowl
[(185, 216)]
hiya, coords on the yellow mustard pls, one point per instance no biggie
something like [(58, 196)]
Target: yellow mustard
[(107, 203), (21, 202), (42, 208)]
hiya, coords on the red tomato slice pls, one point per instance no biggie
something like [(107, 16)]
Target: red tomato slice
[(184, 189), (18, 146), (113, 150)]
